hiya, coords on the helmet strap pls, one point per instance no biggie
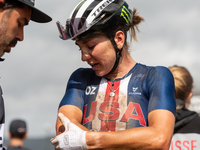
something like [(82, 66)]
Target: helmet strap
[(118, 55)]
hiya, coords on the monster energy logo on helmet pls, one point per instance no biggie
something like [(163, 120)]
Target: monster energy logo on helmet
[(125, 13)]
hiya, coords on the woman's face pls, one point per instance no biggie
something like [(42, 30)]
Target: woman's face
[(98, 52)]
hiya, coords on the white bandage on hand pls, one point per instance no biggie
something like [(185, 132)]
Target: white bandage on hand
[(72, 139)]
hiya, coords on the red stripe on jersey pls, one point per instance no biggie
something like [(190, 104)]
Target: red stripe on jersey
[(92, 113), (109, 108)]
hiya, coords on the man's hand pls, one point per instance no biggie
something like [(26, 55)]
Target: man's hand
[(72, 139)]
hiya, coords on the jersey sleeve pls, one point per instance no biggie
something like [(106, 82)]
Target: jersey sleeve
[(74, 94), (161, 89)]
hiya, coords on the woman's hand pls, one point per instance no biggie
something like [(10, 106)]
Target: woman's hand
[(73, 138)]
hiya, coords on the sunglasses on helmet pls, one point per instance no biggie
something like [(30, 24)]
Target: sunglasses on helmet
[(72, 28)]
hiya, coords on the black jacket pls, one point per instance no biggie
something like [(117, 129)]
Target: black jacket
[(187, 129), (186, 121)]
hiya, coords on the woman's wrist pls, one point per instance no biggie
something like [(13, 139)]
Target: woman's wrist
[(94, 139)]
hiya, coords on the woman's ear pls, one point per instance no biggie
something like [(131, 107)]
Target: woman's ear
[(119, 39)]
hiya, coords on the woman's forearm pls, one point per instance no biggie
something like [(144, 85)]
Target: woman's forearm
[(137, 138)]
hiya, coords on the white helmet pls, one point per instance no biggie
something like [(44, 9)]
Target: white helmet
[(93, 15)]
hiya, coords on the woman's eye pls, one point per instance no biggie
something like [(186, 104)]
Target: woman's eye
[(91, 47)]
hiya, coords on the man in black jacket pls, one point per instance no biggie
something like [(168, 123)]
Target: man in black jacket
[(14, 15)]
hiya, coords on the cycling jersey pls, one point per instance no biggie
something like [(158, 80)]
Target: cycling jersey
[(141, 91)]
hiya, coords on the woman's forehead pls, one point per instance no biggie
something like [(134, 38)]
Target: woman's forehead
[(83, 40), (88, 38)]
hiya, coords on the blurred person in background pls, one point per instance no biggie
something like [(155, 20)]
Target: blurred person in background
[(117, 103), (14, 16), (187, 125), (17, 134)]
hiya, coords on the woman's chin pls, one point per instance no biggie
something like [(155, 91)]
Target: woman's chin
[(100, 73)]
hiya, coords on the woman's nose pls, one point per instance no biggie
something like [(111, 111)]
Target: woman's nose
[(85, 54)]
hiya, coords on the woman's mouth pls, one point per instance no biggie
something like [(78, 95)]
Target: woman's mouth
[(94, 66)]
